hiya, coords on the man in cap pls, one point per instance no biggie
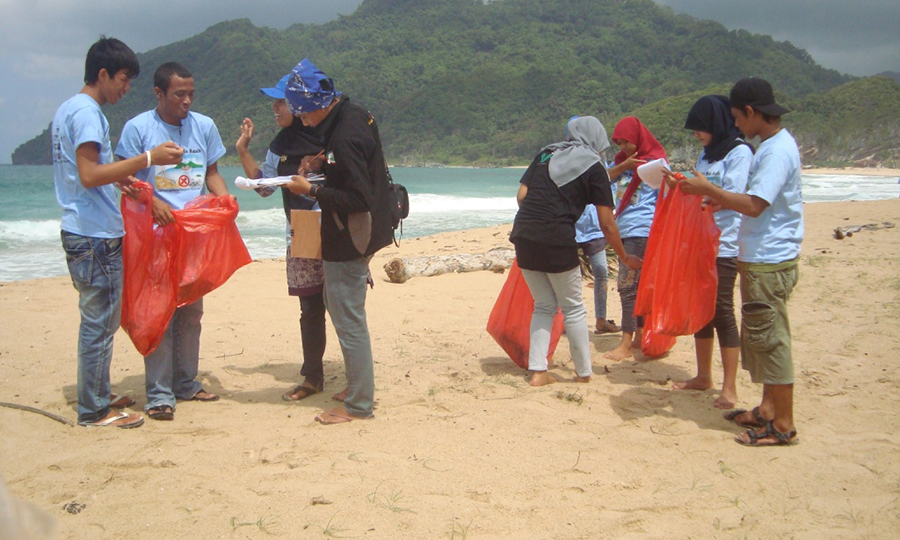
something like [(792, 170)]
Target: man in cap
[(769, 239), (356, 221)]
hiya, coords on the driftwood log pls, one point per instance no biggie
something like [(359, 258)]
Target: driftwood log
[(401, 270), (841, 232)]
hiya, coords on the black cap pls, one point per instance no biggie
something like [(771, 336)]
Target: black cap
[(756, 93)]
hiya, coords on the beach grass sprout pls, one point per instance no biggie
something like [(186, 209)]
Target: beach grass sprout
[(331, 529), (458, 532), (264, 524), (392, 502)]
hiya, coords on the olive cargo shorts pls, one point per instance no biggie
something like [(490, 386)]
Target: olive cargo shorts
[(765, 327)]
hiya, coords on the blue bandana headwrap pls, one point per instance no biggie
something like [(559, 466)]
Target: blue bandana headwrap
[(308, 89)]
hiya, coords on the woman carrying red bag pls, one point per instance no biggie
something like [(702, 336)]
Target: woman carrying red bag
[(563, 179), (725, 161), (637, 204)]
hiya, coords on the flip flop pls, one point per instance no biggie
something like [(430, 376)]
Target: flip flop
[(305, 389), (760, 422), (781, 438), (608, 328), (207, 397), (337, 416), (109, 422), (120, 402), (163, 412)]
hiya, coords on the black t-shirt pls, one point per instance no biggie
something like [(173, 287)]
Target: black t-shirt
[(544, 228)]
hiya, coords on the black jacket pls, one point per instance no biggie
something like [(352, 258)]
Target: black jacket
[(356, 220)]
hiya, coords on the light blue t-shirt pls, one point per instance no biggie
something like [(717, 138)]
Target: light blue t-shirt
[(775, 235), (197, 134), (269, 167), (730, 174), (89, 212), (587, 227), (635, 219)]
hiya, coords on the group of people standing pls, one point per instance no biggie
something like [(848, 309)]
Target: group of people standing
[(565, 198), (176, 151), (566, 195)]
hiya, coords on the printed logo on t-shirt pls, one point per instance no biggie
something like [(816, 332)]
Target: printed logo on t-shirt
[(189, 174), (622, 186)]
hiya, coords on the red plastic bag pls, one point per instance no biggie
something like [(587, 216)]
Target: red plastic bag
[(678, 297), (643, 304), (654, 345), (510, 320), (172, 266)]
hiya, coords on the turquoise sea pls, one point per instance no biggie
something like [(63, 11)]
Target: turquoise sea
[(441, 199)]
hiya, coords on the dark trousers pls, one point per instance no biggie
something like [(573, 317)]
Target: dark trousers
[(312, 335)]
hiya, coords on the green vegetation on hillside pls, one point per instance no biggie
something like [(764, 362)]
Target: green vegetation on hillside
[(469, 82)]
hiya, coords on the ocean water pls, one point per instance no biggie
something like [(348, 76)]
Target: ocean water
[(441, 200)]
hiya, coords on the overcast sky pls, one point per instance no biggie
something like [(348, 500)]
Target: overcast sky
[(43, 42)]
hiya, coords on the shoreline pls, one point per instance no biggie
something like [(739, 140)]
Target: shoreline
[(413, 243), (853, 171)]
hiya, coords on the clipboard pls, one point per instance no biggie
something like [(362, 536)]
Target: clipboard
[(306, 234)]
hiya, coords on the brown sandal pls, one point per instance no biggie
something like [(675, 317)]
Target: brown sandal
[(304, 390), (163, 412), (609, 327)]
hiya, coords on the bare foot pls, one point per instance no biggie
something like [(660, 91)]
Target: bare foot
[(727, 400), (541, 378), (340, 396), (580, 379), (621, 352), (697, 383)]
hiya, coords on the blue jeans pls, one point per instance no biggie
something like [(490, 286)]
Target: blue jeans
[(600, 270), (345, 299), (95, 265), (551, 292), (172, 367)]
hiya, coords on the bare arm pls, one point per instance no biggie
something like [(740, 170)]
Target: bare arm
[(251, 168), (214, 181), (631, 163), (93, 174), (611, 233), (520, 196), (749, 205)]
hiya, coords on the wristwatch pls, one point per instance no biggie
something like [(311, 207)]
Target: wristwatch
[(312, 190)]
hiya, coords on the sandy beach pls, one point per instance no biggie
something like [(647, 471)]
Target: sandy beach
[(461, 447)]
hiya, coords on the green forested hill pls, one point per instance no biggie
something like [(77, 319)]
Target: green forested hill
[(467, 82), (855, 123)]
